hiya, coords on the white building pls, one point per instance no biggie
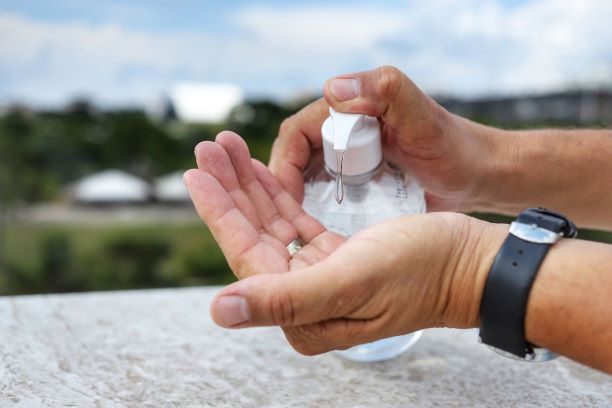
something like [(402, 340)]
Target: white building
[(171, 188), (197, 102), (111, 187)]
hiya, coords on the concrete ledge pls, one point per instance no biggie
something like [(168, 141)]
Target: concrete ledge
[(159, 348)]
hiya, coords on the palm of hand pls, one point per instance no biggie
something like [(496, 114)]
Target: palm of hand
[(250, 214)]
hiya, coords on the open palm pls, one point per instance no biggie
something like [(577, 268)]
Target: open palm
[(250, 214)]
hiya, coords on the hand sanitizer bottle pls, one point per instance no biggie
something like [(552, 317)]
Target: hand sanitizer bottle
[(353, 187)]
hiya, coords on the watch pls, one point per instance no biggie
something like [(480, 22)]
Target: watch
[(504, 300)]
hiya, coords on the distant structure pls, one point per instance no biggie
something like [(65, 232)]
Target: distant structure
[(171, 189), (196, 102), (111, 187), (581, 107)]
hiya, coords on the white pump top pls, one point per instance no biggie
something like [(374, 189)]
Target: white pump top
[(358, 135)]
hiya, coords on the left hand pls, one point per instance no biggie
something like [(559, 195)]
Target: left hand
[(249, 214), (396, 277)]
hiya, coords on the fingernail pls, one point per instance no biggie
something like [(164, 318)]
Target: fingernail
[(231, 310), (344, 89)]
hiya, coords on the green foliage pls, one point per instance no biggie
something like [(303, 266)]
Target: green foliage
[(22, 172), (56, 262), (53, 272), (44, 259), (41, 152), (126, 260)]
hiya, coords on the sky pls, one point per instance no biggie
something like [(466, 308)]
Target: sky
[(119, 52)]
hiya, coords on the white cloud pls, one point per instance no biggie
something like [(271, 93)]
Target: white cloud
[(319, 30), (468, 47), (485, 47), (48, 62)]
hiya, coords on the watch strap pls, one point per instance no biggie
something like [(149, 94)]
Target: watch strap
[(506, 293), (504, 301)]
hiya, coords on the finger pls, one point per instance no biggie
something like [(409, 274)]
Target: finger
[(272, 221), (239, 155), (317, 293), (385, 92), (240, 242), (214, 160), (307, 227), (298, 136)]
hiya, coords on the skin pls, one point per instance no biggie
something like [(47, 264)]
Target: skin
[(463, 166), (417, 271)]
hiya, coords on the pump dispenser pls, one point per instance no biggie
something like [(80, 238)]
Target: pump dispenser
[(352, 187), (355, 135), (351, 146), (344, 123)]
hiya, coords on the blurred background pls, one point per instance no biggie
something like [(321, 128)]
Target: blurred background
[(102, 103)]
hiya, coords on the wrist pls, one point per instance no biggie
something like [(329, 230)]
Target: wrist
[(495, 163), (475, 256)]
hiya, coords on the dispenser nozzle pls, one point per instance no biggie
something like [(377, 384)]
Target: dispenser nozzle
[(344, 124)]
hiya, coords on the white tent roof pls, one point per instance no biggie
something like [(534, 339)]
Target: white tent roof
[(171, 188), (111, 186), (204, 102)]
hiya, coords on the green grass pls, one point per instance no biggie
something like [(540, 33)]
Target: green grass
[(54, 258), (25, 239)]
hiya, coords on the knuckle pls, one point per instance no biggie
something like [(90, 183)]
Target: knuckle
[(281, 309), (389, 81), (279, 144), (286, 126)]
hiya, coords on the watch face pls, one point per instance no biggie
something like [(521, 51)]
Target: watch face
[(539, 355), (533, 233)]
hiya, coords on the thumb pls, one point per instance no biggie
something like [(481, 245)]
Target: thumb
[(384, 92), (288, 299)]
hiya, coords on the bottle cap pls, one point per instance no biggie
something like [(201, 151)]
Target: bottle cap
[(358, 135)]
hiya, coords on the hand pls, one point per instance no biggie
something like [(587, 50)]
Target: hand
[(394, 278), (449, 155), (248, 212)]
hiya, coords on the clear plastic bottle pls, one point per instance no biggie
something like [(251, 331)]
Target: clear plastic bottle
[(371, 190)]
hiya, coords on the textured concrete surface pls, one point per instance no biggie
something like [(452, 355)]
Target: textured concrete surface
[(160, 348)]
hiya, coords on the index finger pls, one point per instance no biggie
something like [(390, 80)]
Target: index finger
[(298, 136)]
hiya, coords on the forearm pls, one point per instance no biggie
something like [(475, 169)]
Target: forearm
[(569, 309), (569, 171)]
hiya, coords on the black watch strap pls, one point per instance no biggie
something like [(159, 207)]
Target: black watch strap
[(506, 292)]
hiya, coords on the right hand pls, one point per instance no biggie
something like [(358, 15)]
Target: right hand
[(449, 155)]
